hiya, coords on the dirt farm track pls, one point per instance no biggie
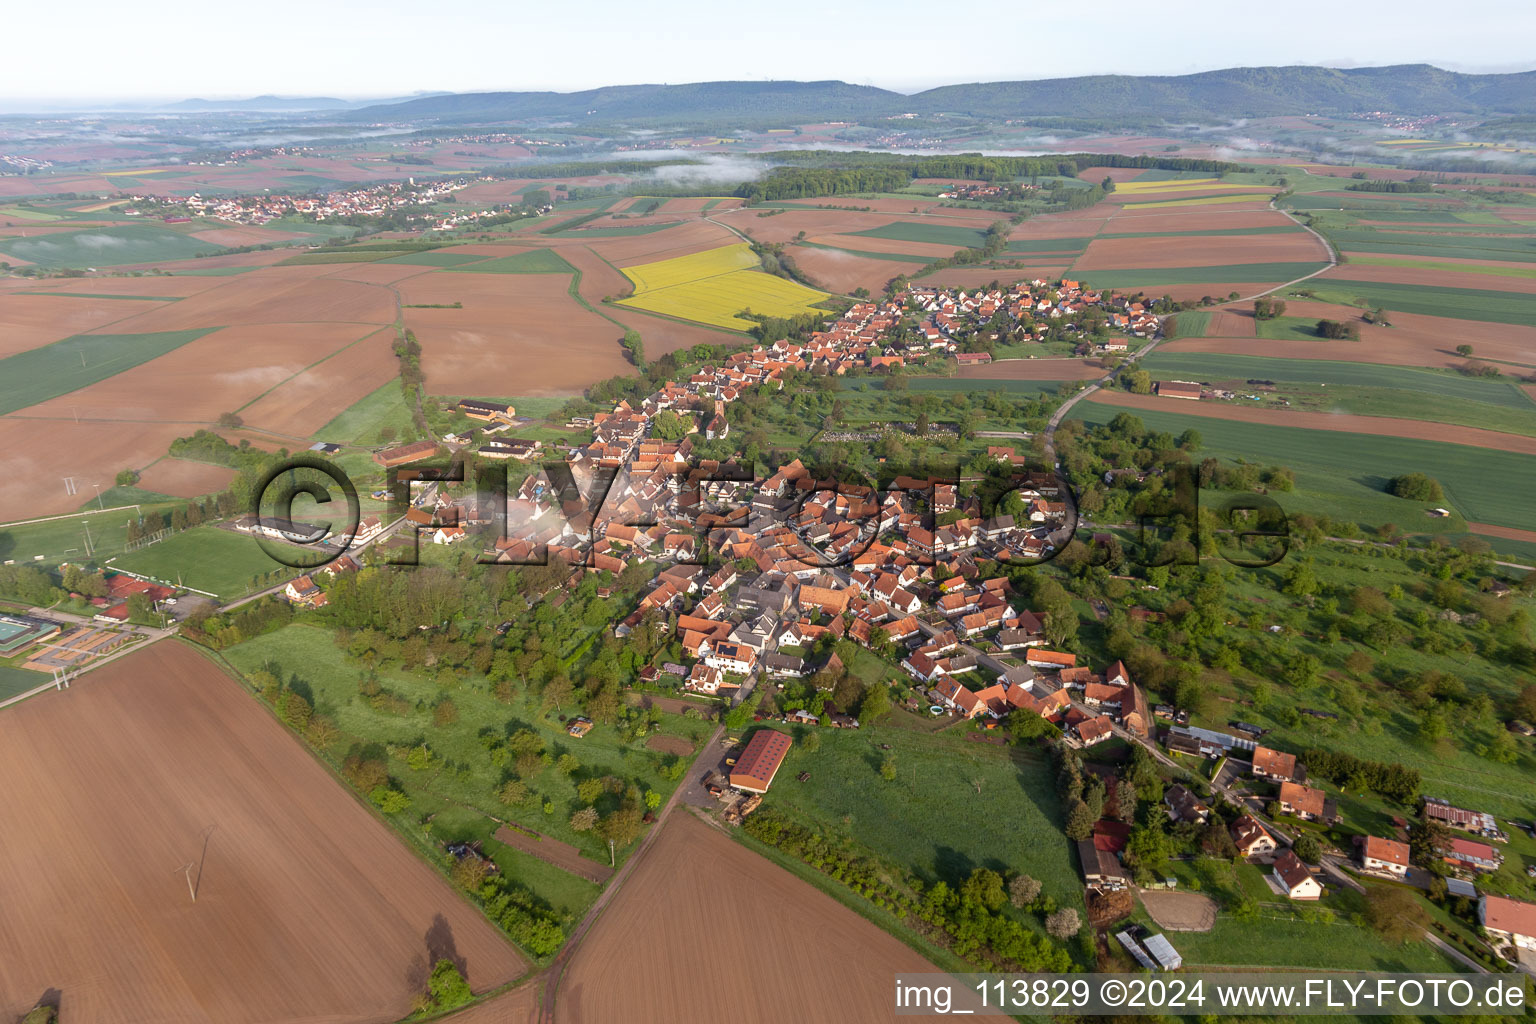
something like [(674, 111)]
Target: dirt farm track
[(308, 909)]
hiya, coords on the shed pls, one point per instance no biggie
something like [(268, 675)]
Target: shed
[(1162, 950)]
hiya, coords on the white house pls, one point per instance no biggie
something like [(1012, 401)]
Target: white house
[(1295, 879)]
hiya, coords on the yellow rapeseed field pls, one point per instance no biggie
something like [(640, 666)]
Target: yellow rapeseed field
[(713, 286)]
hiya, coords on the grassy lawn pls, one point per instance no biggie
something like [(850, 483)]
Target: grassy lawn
[(1288, 328), (64, 366), (931, 819), (462, 774), (204, 558), (14, 679), (1352, 470)]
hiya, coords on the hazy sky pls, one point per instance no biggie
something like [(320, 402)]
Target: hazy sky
[(178, 48)]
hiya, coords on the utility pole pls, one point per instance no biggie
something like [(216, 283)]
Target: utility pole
[(99, 505), (610, 853), (88, 552), (187, 869)]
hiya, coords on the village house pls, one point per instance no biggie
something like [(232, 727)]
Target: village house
[(1306, 803), (1183, 805), (303, 591), (1251, 837), (1275, 765), (1294, 878), (1384, 856), (1508, 921)]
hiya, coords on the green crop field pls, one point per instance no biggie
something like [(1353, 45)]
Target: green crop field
[(931, 819), (1192, 323), (1345, 475), (529, 261), (932, 234), (39, 374), (1047, 244), (107, 247), (1238, 273), (1444, 266), (1456, 303), (1218, 366), (435, 258), (107, 295), (205, 558), (1514, 247)]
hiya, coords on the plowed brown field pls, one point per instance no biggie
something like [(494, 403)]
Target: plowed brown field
[(1199, 251), (517, 334), (842, 272), (1033, 369), (182, 479), (669, 948), (271, 296), (1230, 323), (305, 403), (308, 908), (31, 321)]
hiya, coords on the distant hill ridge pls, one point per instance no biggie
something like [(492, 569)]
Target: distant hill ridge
[(1207, 96)]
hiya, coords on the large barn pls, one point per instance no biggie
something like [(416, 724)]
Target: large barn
[(755, 768)]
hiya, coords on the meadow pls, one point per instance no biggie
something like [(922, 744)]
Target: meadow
[(713, 286), (107, 247), (954, 805), (39, 374), (1348, 473), (1201, 201), (461, 773)]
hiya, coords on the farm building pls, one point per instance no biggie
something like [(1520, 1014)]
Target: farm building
[(490, 412), (404, 453), (1477, 822), (755, 768), (1134, 948), (1178, 389), (1163, 952)]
